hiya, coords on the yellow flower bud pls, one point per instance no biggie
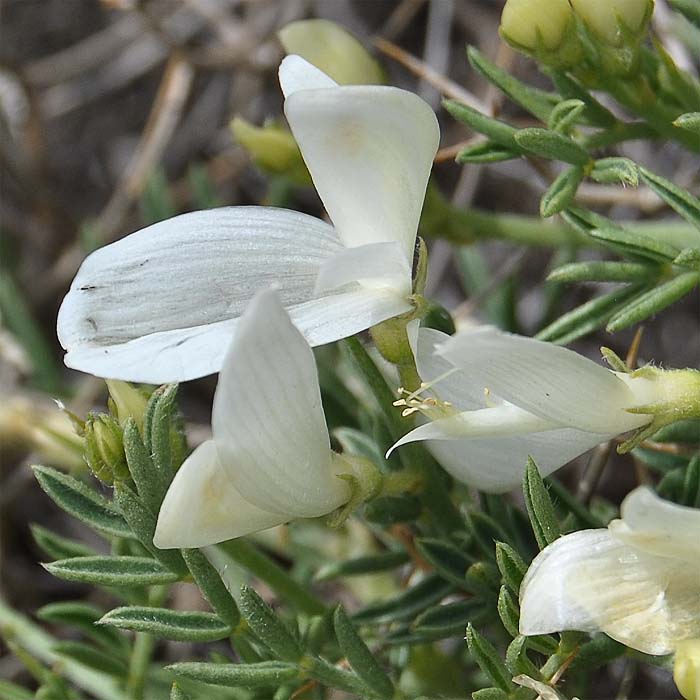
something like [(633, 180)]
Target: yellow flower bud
[(127, 401), (104, 448), (527, 23), (686, 669), (273, 149), (332, 49), (610, 19)]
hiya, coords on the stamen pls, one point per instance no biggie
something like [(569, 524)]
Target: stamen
[(430, 406)]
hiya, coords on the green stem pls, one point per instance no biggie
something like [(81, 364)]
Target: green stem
[(469, 225), (142, 651), (33, 639), (246, 555)]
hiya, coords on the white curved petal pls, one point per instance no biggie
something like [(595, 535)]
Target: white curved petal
[(497, 464), (658, 526), (545, 379), (175, 279), (267, 417), (202, 505), (376, 265), (369, 150), (463, 392), (296, 73), (180, 355), (591, 581)]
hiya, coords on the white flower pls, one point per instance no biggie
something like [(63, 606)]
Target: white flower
[(638, 580), (161, 304), (494, 399), (269, 460)]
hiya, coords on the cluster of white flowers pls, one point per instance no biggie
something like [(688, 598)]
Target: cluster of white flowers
[(191, 296)]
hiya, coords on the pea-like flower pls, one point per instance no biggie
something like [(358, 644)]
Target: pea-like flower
[(161, 304), (638, 580), (493, 399), (269, 460)]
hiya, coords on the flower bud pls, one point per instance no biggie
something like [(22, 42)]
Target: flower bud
[(332, 49), (686, 669), (616, 22), (126, 401), (272, 148), (544, 29), (104, 448)]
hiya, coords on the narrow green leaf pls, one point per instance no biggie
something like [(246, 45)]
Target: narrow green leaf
[(691, 484), (92, 657), (517, 661), (595, 113), (565, 115), (602, 271), (539, 506), (149, 481), (653, 301), (690, 9), (386, 561), (176, 625), (627, 242), (676, 197), (485, 530), (407, 604), (82, 502), (268, 627), (508, 611), (615, 170), (112, 571), (83, 616), (158, 428), (490, 694), (550, 144), (58, 547), (486, 152), (498, 131), (334, 677), (689, 120), (588, 317), (142, 522), (511, 566), (482, 579), (211, 586), (488, 659), (359, 657), (538, 102), (560, 194), (688, 257), (685, 431), (449, 561), (267, 674)]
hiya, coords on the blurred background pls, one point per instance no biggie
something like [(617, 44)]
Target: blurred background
[(117, 114)]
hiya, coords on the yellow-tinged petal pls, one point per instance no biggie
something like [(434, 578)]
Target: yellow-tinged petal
[(604, 16), (525, 22)]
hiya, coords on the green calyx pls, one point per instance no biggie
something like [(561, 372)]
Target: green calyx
[(104, 448)]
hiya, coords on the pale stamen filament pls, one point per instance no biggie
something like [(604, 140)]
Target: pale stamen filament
[(430, 406)]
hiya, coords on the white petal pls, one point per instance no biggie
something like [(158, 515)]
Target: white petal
[(188, 353), (202, 505), (267, 417), (296, 73), (369, 150), (376, 265), (497, 464), (658, 526), (590, 581), (171, 282), (463, 391), (545, 379)]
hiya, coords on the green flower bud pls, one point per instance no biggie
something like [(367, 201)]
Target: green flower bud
[(616, 22), (126, 401), (686, 669), (104, 448), (332, 49), (544, 29), (272, 148)]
